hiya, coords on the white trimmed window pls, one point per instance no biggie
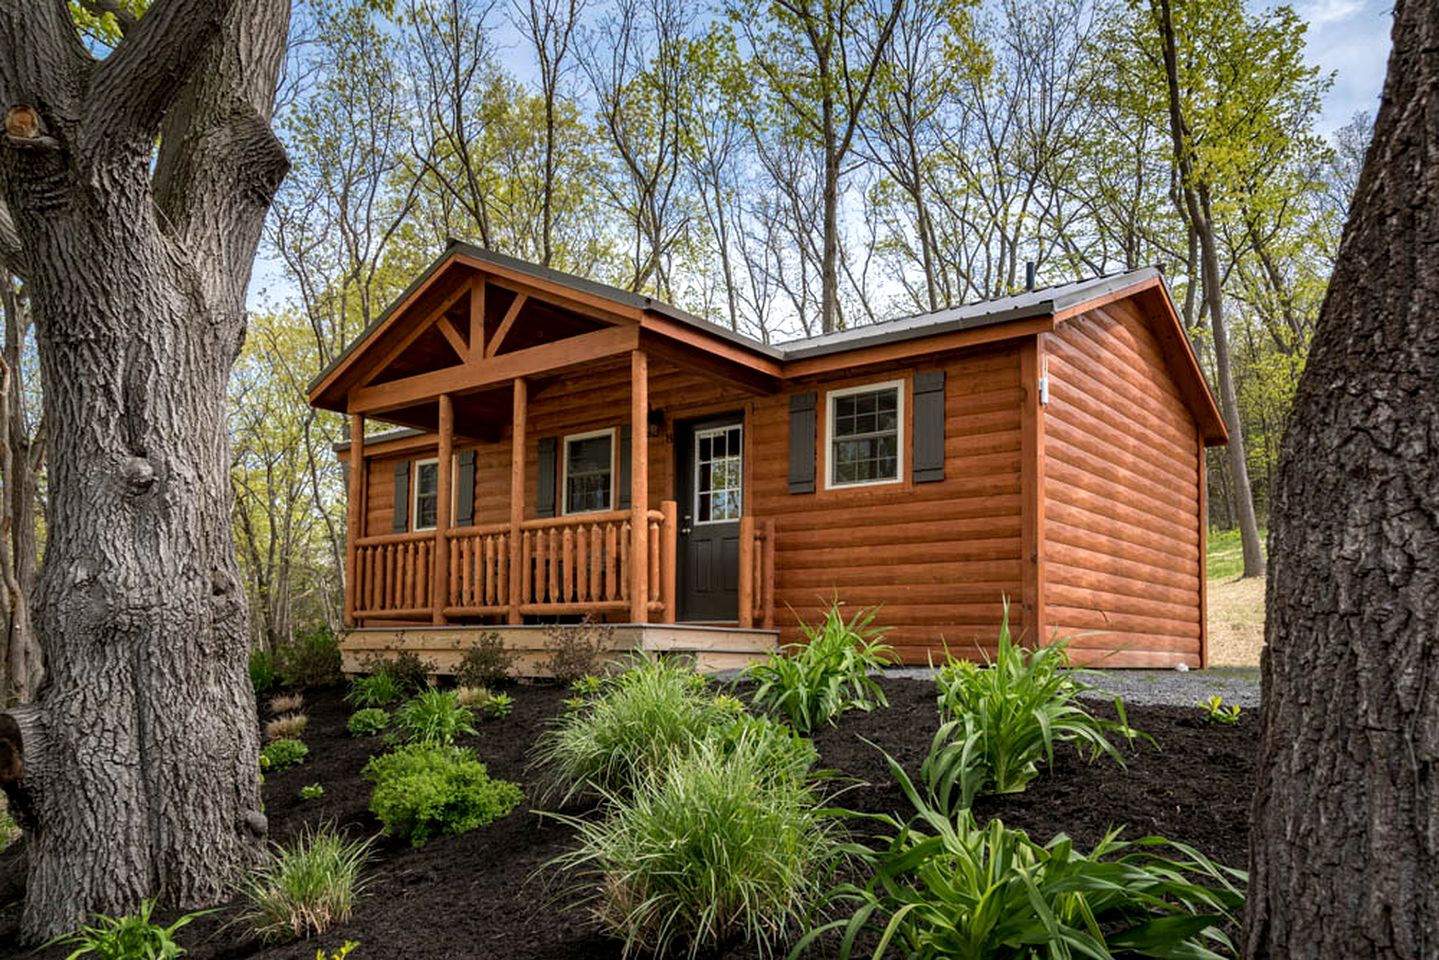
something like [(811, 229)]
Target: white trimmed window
[(865, 435), (425, 494), (719, 469), (589, 472)]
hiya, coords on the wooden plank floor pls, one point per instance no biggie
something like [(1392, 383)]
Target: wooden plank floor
[(713, 648)]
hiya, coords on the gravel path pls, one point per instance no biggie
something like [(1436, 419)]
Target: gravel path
[(1237, 685)]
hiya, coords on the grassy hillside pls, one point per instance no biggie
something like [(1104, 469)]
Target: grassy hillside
[(1236, 607)]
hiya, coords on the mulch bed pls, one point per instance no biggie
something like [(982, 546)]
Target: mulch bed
[(484, 894)]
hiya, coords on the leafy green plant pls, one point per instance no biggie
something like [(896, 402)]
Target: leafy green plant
[(286, 727), (309, 660), (643, 716), (283, 754), (816, 681), (313, 791), (574, 704), (942, 887), (368, 722), (407, 669), (499, 705), (709, 848), (307, 886), (486, 663), (340, 954), (424, 791), (375, 690), (263, 675), (133, 937), (434, 717), (588, 686), (1005, 719), (1216, 712)]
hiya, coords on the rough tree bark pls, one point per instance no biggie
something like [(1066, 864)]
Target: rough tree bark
[(138, 774), (18, 467), (1197, 210), (1344, 844)]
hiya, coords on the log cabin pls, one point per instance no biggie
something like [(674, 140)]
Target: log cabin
[(529, 447)]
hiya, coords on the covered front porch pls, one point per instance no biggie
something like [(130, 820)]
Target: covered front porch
[(507, 383)]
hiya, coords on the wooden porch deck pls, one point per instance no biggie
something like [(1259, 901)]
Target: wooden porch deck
[(713, 648)]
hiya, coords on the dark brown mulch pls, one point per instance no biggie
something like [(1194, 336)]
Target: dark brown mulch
[(484, 894)]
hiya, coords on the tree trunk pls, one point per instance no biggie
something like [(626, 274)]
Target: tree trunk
[(139, 753), (1344, 843), (1201, 222), (23, 664)]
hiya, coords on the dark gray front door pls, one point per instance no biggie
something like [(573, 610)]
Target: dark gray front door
[(710, 490)]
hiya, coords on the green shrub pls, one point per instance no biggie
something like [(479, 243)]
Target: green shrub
[(434, 718), (283, 754), (312, 792), (424, 791), (829, 673), (306, 887), (485, 664), (263, 675), (368, 722), (1004, 719), (499, 705), (643, 716), (127, 938), (1216, 712), (943, 887), (310, 660), (588, 686), (376, 690), (576, 649), (410, 671), (708, 849)]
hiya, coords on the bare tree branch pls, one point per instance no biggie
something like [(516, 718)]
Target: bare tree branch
[(42, 53)]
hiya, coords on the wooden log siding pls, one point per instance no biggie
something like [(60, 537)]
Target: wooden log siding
[(1122, 493), (937, 557)]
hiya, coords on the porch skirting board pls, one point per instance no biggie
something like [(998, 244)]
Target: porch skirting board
[(714, 649)]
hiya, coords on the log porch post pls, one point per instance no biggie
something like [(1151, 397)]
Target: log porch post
[(746, 571), (440, 582), (356, 513), (669, 538), (639, 487), (517, 495)]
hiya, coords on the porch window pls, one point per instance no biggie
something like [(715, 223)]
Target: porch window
[(719, 467), (424, 512), (589, 472), (866, 435)]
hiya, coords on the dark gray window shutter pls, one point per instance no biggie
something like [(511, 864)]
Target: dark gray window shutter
[(929, 426), (465, 489), (402, 496), (625, 472), (545, 478), (801, 442)]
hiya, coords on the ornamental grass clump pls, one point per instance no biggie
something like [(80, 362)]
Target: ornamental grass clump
[(307, 886), (380, 689), (640, 718), (433, 718), (813, 682), (1003, 720), (289, 726), (424, 791), (943, 888), (709, 849)]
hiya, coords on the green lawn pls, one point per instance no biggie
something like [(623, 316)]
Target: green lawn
[(1226, 556)]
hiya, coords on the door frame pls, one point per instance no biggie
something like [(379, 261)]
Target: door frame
[(685, 428)]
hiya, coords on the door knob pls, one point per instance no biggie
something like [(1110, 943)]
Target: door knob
[(685, 524)]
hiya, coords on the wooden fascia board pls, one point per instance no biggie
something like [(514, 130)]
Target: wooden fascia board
[(684, 354), (471, 377), (916, 348), (416, 444)]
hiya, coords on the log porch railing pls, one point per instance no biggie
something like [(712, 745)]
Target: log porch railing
[(566, 565)]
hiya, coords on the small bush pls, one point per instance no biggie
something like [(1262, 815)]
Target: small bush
[(310, 660), (943, 887), (376, 690), (708, 849), (645, 714), (286, 703), (283, 754), (286, 727), (127, 938), (829, 673), (1004, 720), (576, 649), (425, 791), (1216, 712), (486, 664), (588, 686), (499, 705), (408, 670), (312, 792), (368, 722), (433, 718), (263, 675), (307, 887)]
